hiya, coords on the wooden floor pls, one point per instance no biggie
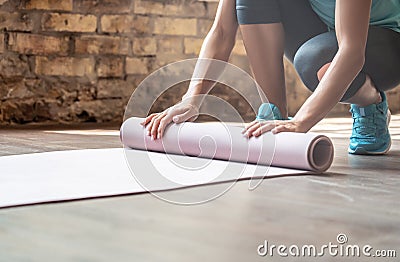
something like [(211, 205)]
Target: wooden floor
[(359, 197)]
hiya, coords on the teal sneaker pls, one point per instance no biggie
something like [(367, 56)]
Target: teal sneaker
[(370, 129), (268, 111)]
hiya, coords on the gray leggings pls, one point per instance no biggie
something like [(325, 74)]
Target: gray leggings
[(310, 44)]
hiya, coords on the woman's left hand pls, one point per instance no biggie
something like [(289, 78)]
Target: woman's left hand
[(258, 127)]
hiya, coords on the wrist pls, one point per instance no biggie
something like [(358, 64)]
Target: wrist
[(303, 124), (193, 100), (195, 95)]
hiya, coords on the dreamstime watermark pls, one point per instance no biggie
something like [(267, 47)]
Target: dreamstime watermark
[(165, 171), (340, 248)]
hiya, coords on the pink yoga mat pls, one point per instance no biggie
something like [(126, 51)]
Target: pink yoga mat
[(217, 140)]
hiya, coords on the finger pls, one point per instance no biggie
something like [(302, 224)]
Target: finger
[(148, 119), (263, 129), (156, 124), (163, 124), (253, 128), (150, 126), (282, 128), (277, 130), (247, 126)]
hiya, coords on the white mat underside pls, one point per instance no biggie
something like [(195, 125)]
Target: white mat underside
[(80, 174)]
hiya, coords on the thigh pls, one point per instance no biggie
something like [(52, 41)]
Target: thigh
[(257, 12), (382, 57), (314, 54), (300, 22)]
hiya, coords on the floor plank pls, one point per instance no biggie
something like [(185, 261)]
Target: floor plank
[(359, 197)]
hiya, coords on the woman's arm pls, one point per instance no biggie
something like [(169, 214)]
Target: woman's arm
[(217, 45), (351, 22)]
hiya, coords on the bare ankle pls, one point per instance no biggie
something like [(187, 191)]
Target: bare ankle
[(366, 95), (374, 92)]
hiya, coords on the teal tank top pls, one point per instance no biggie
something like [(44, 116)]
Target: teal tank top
[(384, 13)]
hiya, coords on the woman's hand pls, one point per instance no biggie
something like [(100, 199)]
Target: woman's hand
[(181, 112), (257, 127)]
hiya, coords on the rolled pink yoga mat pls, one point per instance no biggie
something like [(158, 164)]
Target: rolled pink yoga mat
[(216, 140)]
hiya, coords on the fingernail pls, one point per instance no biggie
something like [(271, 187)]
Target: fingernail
[(175, 118), (152, 138)]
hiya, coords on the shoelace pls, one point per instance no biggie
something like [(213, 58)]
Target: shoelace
[(364, 126)]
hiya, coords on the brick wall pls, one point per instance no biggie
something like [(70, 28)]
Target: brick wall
[(80, 60)]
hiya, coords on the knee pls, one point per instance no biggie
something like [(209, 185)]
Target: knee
[(321, 72), (312, 60)]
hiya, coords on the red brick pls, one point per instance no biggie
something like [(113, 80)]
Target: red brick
[(212, 9), (175, 26), (1, 43), (165, 58), (14, 66), (99, 110), (193, 9), (38, 44), (137, 66), (103, 6), (102, 45), (170, 45), (149, 7), (19, 90), (110, 67), (16, 21), (192, 45), (203, 27), (144, 46), (62, 5), (114, 88), (69, 22), (65, 66), (124, 24)]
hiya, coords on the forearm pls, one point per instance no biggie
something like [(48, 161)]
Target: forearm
[(217, 45), (344, 68)]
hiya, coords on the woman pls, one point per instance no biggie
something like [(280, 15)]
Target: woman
[(344, 51)]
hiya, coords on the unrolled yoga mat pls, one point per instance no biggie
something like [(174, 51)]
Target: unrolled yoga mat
[(79, 174), (217, 140)]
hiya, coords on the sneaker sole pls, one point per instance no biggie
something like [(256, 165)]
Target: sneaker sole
[(362, 151)]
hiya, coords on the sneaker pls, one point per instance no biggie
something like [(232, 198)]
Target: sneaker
[(268, 111), (370, 129)]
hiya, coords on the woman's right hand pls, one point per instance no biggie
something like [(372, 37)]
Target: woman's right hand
[(217, 45), (181, 112)]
